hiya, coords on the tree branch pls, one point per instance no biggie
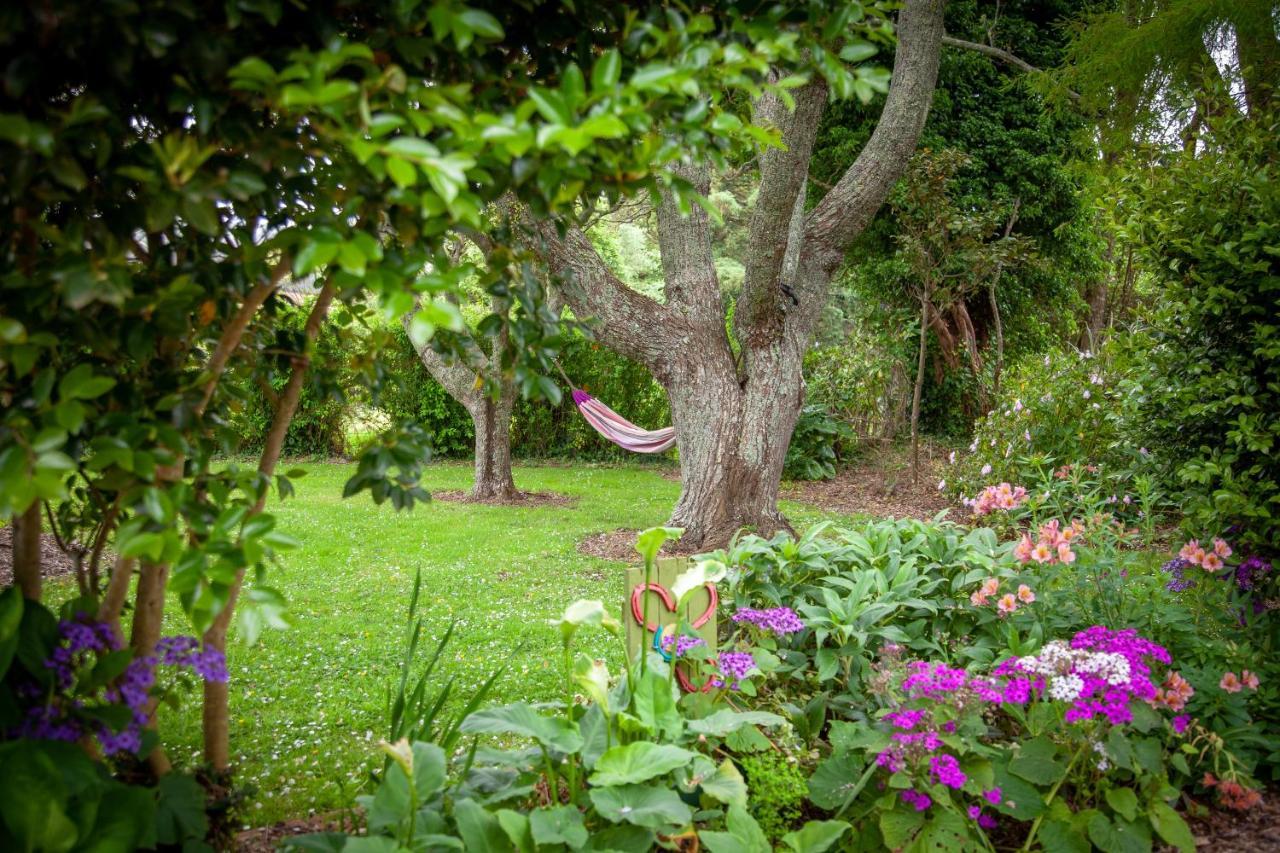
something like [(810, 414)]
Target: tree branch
[(765, 296), (684, 244), (635, 325), (845, 211), (1000, 54)]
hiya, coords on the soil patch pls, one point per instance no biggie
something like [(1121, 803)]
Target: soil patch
[(266, 839), (617, 544), (54, 562), (878, 486), (1253, 831), (525, 499)]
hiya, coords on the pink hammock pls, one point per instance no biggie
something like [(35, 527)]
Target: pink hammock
[(619, 430)]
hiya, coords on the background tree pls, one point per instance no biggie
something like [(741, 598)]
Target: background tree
[(736, 388)]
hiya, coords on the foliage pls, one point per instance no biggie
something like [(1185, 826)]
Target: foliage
[(861, 383), (1208, 398), (778, 791), (815, 445), (64, 683)]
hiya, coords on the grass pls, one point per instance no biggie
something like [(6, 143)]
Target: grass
[(307, 703)]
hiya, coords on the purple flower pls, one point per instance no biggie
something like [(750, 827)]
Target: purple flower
[(993, 796), (1251, 571), (986, 821), (683, 644), (920, 800), (1180, 723), (1177, 568), (974, 811), (947, 771), (776, 620), (734, 666)]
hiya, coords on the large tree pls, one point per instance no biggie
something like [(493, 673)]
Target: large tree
[(736, 389)]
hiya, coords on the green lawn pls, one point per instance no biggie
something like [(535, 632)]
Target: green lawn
[(308, 703)]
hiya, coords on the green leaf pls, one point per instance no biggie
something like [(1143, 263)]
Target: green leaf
[(586, 612), (516, 826), (642, 805), (520, 718), (607, 71), (835, 780), (1170, 826), (481, 23), (559, 825), (479, 829), (650, 541), (744, 835), (1060, 837), (181, 813), (1124, 801), (1036, 761), (898, 827), (816, 836), (726, 721), (726, 785), (638, 762), (34, 798)]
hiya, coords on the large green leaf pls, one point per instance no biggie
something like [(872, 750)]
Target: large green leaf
[(1036, 761), (835, 780), (654, 705), (642, 805), (479, 828), (520, 718), (726, 784), (1171, 827), (725, 721), (181, 812), (34, 800), (638, 762), (816, 836), (559, 825), (743, 836)]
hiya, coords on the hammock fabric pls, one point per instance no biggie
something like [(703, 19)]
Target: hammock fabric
[(619, 430)]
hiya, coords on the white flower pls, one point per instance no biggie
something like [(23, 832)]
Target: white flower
[(1017, 405), (1026, 433), (951, 458), (986, 469), (1066, 688), (942, 484), (1087, 395)]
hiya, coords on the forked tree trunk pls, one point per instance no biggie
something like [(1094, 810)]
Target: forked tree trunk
[(734, 408), (492, 421)]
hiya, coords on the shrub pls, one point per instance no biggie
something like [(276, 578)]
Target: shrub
[(815, 445), (778, 791), (1209, 394)]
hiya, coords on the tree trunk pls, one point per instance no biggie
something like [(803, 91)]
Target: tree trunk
[(492, 420), (919, 390), (733, 441), (26, 552)]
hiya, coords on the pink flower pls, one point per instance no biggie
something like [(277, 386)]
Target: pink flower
[(1065, 554), (1041, 553), (977, 599), (1025, 595), (990, 586), (1230, 683), (1221, 548), (1024, 548), (1211, 562), (1250, 679), (1007, 604)]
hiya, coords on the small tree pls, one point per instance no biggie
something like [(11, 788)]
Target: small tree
[(952, 254)]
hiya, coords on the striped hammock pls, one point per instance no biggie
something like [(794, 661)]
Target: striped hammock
[(619, 430)]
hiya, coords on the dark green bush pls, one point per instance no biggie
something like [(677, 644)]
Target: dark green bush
[(815, 444), (1211, 394)]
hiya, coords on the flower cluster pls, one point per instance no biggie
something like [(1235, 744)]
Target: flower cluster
[(1233, 684), (1099, 673), (69, 713), (1251, 571), (682, 642), (776, 620), (1174, 694), (1053, 544), (734, 666), (1005, 604), (1001, 497), (1232, 794), (1177, 570), (1211, 560)]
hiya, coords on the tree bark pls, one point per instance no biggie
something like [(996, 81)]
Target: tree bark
[(27, 572), (918, 391), (734, 414), (216, 717)]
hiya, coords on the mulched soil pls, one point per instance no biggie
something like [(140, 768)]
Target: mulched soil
[(265, 839), (617, 544), (1253, 831), (54, 562), (523, 499), (878, 485)]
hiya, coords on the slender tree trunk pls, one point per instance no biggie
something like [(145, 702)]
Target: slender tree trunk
[(148, 616), (998, 367), (492, 420), (27, 573), (919, 390), (217, 747)]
